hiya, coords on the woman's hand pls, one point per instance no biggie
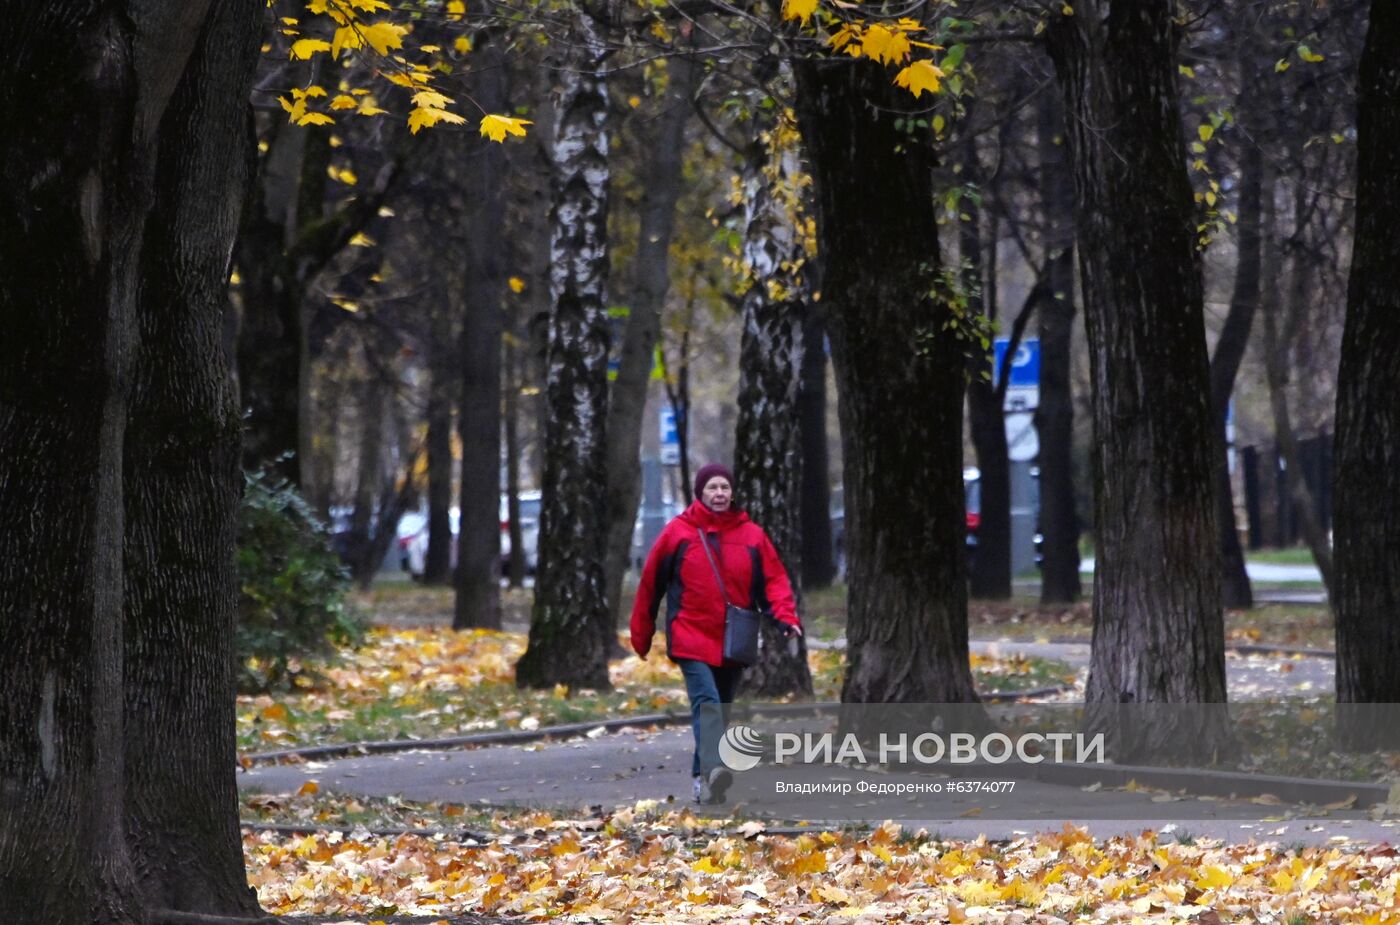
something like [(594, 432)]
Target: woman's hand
[(791, 630)]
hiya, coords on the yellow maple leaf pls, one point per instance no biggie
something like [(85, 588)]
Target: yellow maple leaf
[(305, 48), (427, 118), (517, 285), (885, 46), (799, 9), (345, 37), (431, 99), (462, 45), (369, 6), (315, 118), (920, 76), (344, 101), (497, 127), (456, 9), (707, 865), (1214, 878), (848, 33), (382, 36)]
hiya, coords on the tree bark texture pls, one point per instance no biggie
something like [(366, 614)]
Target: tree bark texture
[(1366, 493), (768, 444), (437, 560), (1158, 629), (570, 619), (119, 453), (907, 612), (818, 554), (1235, 588), (661, 188), (1054, 418), (478, 601), (990, 569)]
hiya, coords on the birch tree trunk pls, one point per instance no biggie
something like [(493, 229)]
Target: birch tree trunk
[(661, 188), (768, 439), (907, 614), (1158, 627), (1366, 498), (570, 625), (119, 439)]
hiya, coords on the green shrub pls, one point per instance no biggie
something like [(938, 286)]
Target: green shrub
[(292, 604)]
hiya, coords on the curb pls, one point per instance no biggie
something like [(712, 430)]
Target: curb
[(1200, 782), (507, 737), (566, 730), (1255, 648)]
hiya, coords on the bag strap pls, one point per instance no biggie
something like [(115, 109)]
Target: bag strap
[(705, 545)]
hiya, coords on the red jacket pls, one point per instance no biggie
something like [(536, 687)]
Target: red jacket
[(677, 570)]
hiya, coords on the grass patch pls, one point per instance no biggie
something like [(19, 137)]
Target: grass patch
[(419, 683)]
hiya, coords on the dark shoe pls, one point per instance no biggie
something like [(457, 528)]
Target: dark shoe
[(720, 779)]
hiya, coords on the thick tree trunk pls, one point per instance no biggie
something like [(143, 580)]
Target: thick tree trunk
[(1366, 496), (1235, 590), (990, 569), (768, 446), (1054, 418), (478, 600), (369, 474), (118, 450), (907, 618), (818, 556), (437, 561), (1158, 627), (661, 188), (570, 623)]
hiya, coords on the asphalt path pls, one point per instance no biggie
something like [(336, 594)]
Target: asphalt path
[(608, 770), (587, 776)]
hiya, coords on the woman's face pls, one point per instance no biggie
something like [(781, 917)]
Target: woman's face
[(717, 494)]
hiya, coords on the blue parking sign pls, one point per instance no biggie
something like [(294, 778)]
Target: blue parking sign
[(1025, 365)]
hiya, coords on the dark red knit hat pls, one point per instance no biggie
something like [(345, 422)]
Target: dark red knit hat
[(709, 471)]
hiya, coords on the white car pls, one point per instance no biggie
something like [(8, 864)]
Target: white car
[(414, 545)]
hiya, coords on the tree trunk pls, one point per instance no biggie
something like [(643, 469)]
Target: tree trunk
[(437, 561), (1054, 418), (119, 451), (1281, 322), (907, 613), (369, 476), (661, 188), (570, 622), (818, 557), (768, 446), (1366, 496), (991, 567), (272, 348), (1158, 628), (515, 565), (1235, 589), (478, 600)]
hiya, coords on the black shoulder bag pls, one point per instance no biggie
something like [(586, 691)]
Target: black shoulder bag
[(740, 624)]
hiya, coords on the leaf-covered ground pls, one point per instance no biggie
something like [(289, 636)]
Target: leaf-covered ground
[(429, 682), (650, 864)]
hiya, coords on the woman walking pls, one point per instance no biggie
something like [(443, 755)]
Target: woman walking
[(708, 560)]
